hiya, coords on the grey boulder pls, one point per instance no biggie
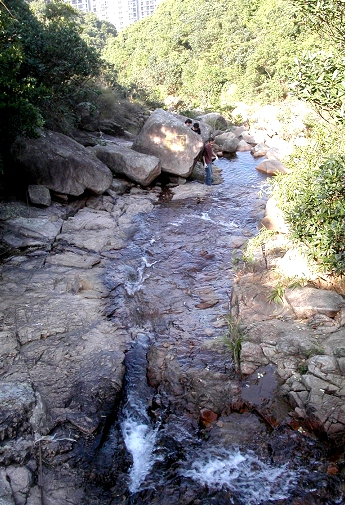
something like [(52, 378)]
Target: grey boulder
[(166, 137), (215, 120), (138, 167), (61, 164), (39, 195)]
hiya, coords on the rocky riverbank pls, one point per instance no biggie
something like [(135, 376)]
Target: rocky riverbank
[(294, 320), (64, 339), (62, 342)]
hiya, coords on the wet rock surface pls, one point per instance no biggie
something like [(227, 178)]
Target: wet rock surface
[(303, 336), (120, 268)]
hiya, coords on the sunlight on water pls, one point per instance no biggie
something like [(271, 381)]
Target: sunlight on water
[(140, 441), (206, 217), (251, 480), (240, 169)]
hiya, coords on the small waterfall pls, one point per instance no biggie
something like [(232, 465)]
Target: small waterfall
[(140, 441), (138, 433)]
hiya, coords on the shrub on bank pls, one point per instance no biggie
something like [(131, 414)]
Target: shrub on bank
[(312, 198)]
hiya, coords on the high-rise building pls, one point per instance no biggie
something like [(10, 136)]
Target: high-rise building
[(121, 13), (83, 5)]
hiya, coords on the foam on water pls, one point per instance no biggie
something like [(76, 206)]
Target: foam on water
[(140, 440), (133, 287), (204, 216), (137, 430), (251, 480)]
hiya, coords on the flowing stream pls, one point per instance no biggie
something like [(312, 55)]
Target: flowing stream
[(176, 276)]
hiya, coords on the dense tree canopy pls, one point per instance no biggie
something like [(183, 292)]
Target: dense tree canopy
[(96, 32), (44, 62), (211, 53)]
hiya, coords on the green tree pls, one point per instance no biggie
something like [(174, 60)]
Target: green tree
[(96, 32), (312, 197), (55, 54), (196, 50), (320, 75), (44, 64), (325, 17), (17, 92)]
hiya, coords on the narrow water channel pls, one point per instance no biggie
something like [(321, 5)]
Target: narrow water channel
[(176, 274)]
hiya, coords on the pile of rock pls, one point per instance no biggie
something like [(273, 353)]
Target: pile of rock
[(302, 335), (56, 166)]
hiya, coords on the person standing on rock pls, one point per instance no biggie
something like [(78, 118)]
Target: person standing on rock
[(207, 159)]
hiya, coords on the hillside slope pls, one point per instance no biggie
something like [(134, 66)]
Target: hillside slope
[(211, 54)]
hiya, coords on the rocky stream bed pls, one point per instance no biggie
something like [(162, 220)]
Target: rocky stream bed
[(117, 384)]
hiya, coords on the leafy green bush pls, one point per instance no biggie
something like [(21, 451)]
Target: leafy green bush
[(320, 80), (320, 72), (312, 198)]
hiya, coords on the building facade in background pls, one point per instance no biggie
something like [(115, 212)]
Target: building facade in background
[(120, 13)]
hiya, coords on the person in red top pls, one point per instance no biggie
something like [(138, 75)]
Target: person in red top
[(207, 158)]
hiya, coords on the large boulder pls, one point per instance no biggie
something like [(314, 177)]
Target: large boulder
[(88, 116), (272, 167), (230, 145), (62, 165), (111, 128), (138, 167), (205, 129), (84, 138), (215, 120), (254, 137), (223, 137), (243, 146), (166, 137)]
